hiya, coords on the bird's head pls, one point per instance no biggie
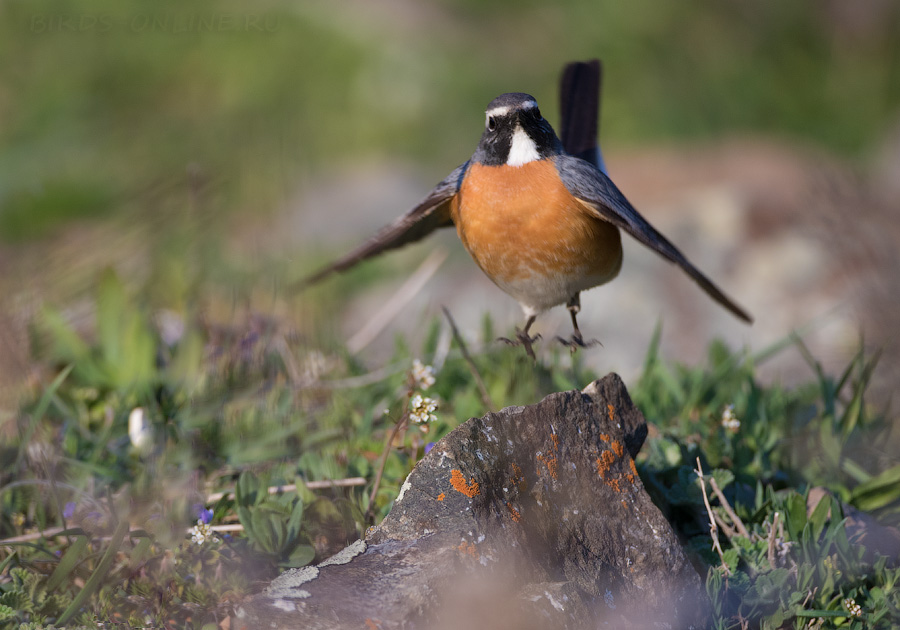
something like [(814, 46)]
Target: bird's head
[(515, 133)]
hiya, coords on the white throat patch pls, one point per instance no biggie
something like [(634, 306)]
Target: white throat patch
[(522, 150)]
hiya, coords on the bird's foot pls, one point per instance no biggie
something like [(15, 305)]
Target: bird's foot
[(577, 341), (522, 339)]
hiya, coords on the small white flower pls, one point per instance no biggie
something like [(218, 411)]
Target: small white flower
[(423, 375), (852, 607), (139, 431), (422, 408), (202, 533), (729, 420)]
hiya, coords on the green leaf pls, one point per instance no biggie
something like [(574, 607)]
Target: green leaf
[(111, 309), (723, 477), (6, 612), (300, 556), (295, 522), (795, 515), (266, 530), (248, 491), (879, 492), (820, 515), (67, 563), (246, 518)]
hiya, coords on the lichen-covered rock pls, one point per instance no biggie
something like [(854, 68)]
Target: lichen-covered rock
[(531, 517)]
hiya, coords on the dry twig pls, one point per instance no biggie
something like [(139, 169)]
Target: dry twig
[(713, 528), (738, 523), (772, 537), (290, 487), (388, 445)]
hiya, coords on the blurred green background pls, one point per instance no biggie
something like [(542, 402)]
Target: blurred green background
[(145, 135), (102, 102)]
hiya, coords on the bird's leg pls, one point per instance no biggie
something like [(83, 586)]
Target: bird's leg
[(523, 338), (576, 341)]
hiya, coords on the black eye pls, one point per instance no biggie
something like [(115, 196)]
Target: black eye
[(492, 123)]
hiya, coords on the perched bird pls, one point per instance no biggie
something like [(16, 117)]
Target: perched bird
[(543, 224)]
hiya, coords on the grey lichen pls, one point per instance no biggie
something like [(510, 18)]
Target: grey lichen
[(285, 586), (346, 554)]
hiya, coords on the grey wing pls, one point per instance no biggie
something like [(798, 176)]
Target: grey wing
[(431, 213), (597, 192)]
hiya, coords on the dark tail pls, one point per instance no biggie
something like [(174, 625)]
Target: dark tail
[(579, 107)]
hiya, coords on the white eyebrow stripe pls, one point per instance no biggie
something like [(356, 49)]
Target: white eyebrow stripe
[(503, 110)]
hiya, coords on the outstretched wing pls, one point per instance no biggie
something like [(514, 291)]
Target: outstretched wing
[(431, 213), (595, 190)]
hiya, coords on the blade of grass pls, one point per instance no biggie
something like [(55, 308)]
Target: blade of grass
[(95, 581), (67, 563)]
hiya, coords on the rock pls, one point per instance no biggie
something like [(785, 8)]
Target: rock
[(531, 517)]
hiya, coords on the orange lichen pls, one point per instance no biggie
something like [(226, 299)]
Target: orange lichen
[(518, 479), (604, 461), (468, 549), (604, 437), (550, 462), (555, 439), (440, 497), (459, 483), (372, 624), (624, 504), (612, 412), (633, 474), (618, 449), (513, 512)]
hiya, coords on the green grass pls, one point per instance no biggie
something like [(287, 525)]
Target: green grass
[(241, 407)]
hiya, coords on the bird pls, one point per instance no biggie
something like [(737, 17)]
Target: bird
[(543, 223)]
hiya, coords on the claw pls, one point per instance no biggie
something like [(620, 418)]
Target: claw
[(522, 339), (577, 341)]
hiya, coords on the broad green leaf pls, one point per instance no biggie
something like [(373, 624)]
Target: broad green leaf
[(248, 491), (300, 556)]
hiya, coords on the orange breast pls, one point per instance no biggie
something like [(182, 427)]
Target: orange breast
[(524, 229)]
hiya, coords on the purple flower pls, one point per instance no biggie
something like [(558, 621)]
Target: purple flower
[(428, 447), (203, 515), (69, 510)]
